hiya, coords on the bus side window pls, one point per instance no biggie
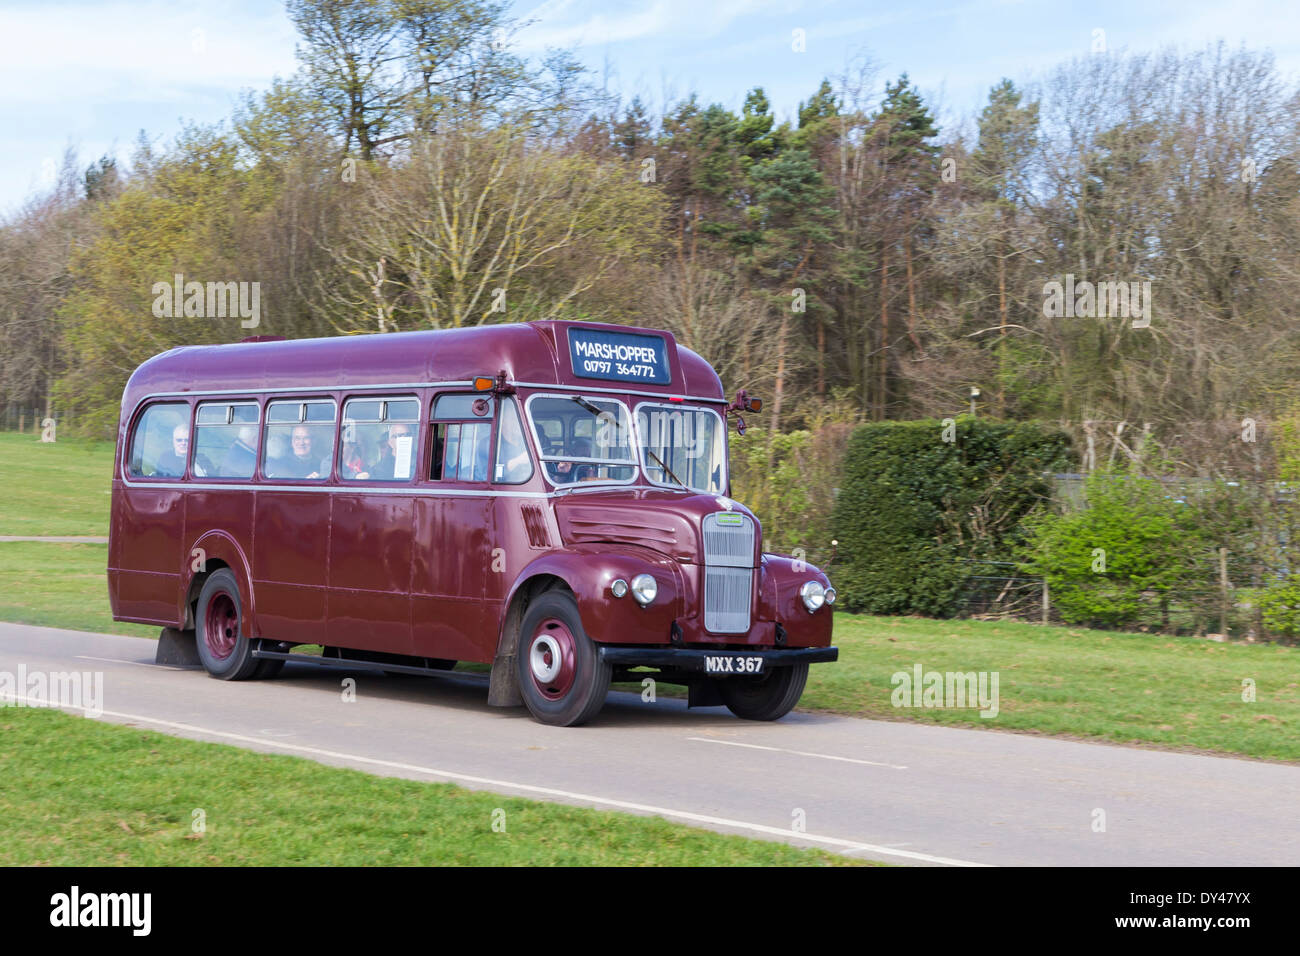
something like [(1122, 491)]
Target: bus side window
[(225, 440), (160, 444), (514, 465), (462, 437), (379, 439), (299, 442)]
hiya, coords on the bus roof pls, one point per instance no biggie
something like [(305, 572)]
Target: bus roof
[(530, 353)]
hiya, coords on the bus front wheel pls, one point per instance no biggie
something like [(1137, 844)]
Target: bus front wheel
[(226, 653), (561, 677), (769, 697)]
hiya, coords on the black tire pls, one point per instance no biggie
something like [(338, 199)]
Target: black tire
[(577, 691), (769, 697), (224, 650), (267, 669)]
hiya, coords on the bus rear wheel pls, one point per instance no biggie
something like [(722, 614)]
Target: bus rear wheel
[(769, 697), (224, 650), (561, 677)]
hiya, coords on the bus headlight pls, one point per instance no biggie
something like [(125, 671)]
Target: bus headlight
[(618, 588), (830, 595), (813, 594), (644, 589)]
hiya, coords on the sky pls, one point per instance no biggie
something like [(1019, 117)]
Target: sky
[(91, 75)]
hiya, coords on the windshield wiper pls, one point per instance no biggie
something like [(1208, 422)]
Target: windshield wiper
[(600, 413), (667, 471)]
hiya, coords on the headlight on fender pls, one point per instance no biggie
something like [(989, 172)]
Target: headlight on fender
[(813, 594), (644, 589)]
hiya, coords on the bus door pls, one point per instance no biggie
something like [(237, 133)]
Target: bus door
[(293, 519), (370, 542), (453, 533)]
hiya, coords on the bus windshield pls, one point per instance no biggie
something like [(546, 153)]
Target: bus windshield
[(583, 439), (682, 446)]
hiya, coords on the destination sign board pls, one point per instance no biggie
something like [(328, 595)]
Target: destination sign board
[(619, 356)]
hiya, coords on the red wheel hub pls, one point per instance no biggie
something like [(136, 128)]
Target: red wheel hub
[(221, 625), (552, 659)]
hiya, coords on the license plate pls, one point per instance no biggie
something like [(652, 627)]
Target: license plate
[(718, 664)]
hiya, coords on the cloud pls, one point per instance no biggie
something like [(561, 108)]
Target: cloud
[(629, 22), (91, 52)]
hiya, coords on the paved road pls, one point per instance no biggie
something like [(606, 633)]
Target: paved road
[(904, 793)]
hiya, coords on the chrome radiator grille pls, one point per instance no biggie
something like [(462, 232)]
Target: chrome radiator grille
[(728, 572)]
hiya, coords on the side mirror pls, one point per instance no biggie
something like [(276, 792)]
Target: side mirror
[(743, 403)]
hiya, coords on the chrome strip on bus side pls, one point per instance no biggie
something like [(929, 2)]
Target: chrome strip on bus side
[(309, 391), (465, 384), (355, 489)]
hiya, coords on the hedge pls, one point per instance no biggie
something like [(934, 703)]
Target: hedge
[(922, 502)]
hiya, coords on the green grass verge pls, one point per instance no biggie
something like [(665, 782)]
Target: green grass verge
[(59, 585), (1144, 688), (106, 795), (61, 488)]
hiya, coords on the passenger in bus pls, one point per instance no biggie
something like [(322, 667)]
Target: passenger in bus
[(242, 456), (171, 463), (386, 468), (302, 462)]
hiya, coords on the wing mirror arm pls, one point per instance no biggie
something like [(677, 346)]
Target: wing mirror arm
[(743, 403)]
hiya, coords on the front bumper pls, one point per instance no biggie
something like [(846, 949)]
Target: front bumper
[(692, 659)]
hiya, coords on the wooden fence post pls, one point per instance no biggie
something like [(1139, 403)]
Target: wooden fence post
[(1223, 591)]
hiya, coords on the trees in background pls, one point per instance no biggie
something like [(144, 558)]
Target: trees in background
[(853, 262)]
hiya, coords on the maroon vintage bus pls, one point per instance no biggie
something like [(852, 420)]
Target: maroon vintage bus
[(550, 498)]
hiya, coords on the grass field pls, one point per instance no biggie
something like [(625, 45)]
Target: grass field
[(59, 585), (108, 795), (53, 489), (1168, 691)]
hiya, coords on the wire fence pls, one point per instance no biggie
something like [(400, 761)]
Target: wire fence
[(20, 418), (1226, 610)]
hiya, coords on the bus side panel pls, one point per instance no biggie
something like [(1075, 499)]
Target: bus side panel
[(454, 569), (148, 535), (290, 564), (228, 512), (370, 568)]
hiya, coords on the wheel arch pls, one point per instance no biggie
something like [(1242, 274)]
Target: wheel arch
[(217, 550), (545, 574)]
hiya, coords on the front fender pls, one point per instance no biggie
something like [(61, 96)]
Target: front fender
[(779, 601), (590, 570)]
